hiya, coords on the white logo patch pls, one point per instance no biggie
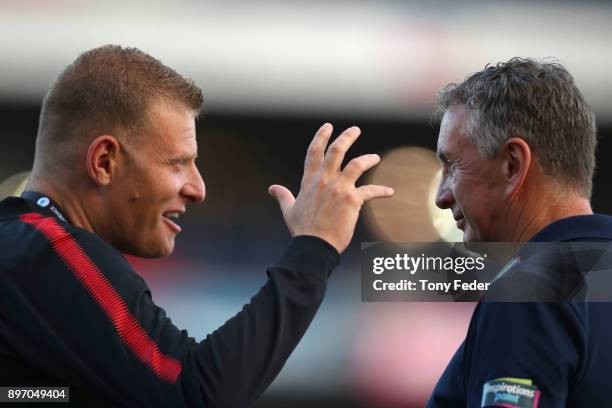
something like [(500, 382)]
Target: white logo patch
[(43, 201)]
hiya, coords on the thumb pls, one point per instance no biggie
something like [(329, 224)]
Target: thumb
[(283, 196)]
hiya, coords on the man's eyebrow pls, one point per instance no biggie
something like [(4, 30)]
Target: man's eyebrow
[(181, 157)]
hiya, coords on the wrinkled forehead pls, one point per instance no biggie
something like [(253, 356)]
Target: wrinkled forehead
[(168, 110), (170, 129), (452, 129)]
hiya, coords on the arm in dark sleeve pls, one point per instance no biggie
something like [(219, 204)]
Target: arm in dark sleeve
[(237, 362), (92, 324), (518, 354), (449, 392)]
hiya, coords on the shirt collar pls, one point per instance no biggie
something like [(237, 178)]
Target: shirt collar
[(44, 202), (595, 227), (580, 227)]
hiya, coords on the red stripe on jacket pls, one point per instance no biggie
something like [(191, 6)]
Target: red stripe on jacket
[(85, 270)]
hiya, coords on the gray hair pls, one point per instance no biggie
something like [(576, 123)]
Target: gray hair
[(538, 102)]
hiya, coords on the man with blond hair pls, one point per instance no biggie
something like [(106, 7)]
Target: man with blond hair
[(115, 166)]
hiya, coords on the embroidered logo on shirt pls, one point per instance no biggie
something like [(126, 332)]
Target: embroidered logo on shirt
[(510, 393), (43, 201)]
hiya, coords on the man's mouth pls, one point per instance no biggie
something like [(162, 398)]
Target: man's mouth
[(461, 223), (459, 220), (169, 218)]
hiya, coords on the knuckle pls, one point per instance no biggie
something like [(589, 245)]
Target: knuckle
[(335, 148), (356, 165), (321, 183), (310, 153), (336, 190), (353, 199)]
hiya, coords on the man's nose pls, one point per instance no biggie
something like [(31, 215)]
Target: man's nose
[(194, 189), (444, 197)]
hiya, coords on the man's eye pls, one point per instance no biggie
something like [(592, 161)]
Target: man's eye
[(180, 162), (448, 166)]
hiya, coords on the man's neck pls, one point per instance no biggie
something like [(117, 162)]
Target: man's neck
[(69, 203), (532, 218)]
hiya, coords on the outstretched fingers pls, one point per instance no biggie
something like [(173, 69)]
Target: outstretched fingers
[(328, 203), (372, 191), (336, 151), (359, 165), (284, 197), (316, 150)]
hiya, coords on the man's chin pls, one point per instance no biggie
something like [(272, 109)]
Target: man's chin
[(153, 250), (469, 237), (163, 251)]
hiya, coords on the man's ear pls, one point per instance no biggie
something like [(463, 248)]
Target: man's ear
[(516, 159), (102, 157)]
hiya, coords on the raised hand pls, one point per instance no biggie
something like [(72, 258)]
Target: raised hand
[(328, 203)]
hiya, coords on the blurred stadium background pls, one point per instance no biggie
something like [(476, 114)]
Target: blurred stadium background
[(272, 72)]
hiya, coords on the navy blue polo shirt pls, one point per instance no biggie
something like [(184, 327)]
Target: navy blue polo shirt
[(536, 354)]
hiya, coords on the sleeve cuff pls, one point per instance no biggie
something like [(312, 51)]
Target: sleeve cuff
[(312, 254)]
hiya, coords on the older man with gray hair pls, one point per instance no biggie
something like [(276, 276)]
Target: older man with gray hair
[(517, 143)]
